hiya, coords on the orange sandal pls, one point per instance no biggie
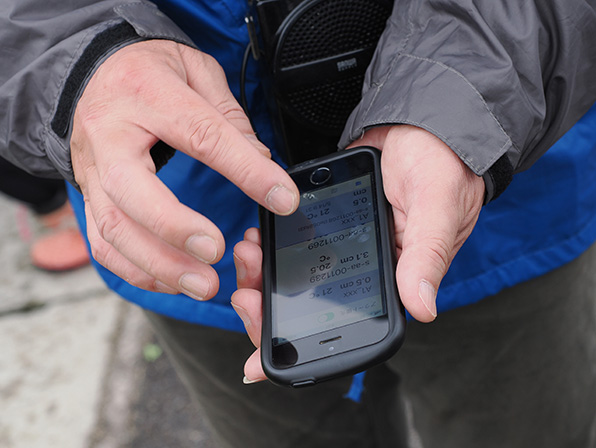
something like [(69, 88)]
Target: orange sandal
[(63, 247)]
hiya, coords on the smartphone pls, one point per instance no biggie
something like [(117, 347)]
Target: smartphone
[(330, 301)]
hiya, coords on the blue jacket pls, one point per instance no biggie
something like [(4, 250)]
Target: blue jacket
[(545, 218), (499, 96)]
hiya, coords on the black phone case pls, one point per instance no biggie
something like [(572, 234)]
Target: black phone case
[(356, 360)]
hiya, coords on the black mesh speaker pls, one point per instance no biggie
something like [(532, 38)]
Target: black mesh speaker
[(316, 53)]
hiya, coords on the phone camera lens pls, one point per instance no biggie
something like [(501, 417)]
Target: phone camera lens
[(320, 175)]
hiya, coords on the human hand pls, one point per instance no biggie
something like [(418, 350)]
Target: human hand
[(436, 200), (161, 90)]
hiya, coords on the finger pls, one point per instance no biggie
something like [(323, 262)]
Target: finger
[(435, 229), (208, 125), (253, 235), (247, 303), (115, 262), (427, 251), (130, 183), (145, 199), (216, 91), (436, 200), (253, 370), (196, 127), (117, 233), (248, 259)]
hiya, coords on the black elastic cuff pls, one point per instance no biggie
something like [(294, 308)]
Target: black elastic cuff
[(501, 175), (100, 46)]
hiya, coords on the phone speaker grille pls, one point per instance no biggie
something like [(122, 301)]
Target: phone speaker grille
[(333, 27), (316, 53), (328, 104)]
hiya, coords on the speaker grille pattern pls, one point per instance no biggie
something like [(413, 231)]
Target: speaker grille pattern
[(328, 105), (333, 27)]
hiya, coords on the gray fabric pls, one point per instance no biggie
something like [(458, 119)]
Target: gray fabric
[(41, 42), (487, 77), (517, 370), (210, 363)]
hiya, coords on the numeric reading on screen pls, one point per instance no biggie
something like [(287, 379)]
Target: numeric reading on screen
[(329, 245)]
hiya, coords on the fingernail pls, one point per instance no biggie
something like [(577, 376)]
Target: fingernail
[(428, 295), (247, 381), (195, 286), (281, 200), (240, 268), (242, 314), (202, 247), (162, 287)]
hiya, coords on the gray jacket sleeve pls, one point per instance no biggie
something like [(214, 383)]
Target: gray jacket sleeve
[(49, 48), (499, 81)]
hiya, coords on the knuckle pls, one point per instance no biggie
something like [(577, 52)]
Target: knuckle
[(230, 109), (128, 72), (139, 280), (105, 255), (152, 265), (100, 251), (110, 224), (210, 65), (242, 174), (440, 252), (115, 181), (206, 138), (161, 223), (87, 120)]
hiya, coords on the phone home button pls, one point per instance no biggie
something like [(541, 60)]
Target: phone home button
[(320, 175)]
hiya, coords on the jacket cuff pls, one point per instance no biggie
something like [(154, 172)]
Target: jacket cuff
[(137, 22), (113, 37), (428, 94)]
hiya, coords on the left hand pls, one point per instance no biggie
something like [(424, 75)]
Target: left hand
[(436, 200)]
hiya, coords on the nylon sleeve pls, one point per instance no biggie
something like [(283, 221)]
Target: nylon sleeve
[(498, 81), (49, 49)]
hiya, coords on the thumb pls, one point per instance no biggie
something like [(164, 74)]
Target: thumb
[(428, 247), (436, 200)]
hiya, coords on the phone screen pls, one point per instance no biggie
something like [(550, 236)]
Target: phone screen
[(327, 263)]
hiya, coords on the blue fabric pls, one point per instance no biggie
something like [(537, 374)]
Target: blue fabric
[(546, 217), (219, 29), (356, 388), (220, 201)]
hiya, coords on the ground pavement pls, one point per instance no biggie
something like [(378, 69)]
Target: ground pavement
[(79, 367)]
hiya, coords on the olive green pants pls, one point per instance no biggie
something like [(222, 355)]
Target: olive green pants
[(516, 370)]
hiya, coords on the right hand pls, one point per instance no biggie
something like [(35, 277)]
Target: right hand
[(161, 90)]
